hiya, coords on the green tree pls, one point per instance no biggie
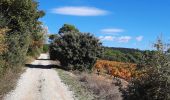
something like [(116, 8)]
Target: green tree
[(76, 50), (155, 84), (22, 18), (67, 28), (168, 50), (51, 37)]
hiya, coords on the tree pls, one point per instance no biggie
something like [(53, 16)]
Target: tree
[(155, 84), (76, 50), (51, 37), (22, 18), (168, 50), (67, 28)]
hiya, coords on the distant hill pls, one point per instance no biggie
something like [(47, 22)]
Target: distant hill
[(125, 50), (122, 54)]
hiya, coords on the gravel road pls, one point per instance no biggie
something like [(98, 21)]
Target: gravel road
[(40, 82)]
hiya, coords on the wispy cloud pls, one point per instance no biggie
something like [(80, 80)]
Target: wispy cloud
[(79, 11), (112, 30), (121, 39), (124, 39), (106, 38), (139, 38)]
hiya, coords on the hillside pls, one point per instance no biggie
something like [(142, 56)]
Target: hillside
[(122, 54)]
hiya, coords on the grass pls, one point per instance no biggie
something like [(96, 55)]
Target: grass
[(80, 92), (102, 87), (89, 86), (8, 81)]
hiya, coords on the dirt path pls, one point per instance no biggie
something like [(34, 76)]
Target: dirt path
[(40, 82)]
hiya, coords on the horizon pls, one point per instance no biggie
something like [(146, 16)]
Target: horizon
[(124, 24)]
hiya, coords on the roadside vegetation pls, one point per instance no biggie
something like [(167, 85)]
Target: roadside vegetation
[(75, 50), (21, 38), (117, 69), (89, 86), (155, 84), (8, 81), (94, 72), (70, 79), (140, 75), (127, 55)]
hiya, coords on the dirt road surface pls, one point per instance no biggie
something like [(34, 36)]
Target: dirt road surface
[(40, 82)]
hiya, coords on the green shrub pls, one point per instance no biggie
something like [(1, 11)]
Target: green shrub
[(45, 48), (155, 83), (67, 28), (76, 50), (153, 86)]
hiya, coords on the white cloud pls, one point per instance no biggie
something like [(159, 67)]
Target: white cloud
[(112, 30), (139, 38), (79, 11), (122, 39), (106, 38)]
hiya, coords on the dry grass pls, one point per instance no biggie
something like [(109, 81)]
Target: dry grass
[(90, 86), (8, 81), (103, 88), (30, 59), (70, 79)]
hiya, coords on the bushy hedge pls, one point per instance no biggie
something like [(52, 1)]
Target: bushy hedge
[(76, 50)]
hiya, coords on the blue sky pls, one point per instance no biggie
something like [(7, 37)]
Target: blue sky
[(117, 23)]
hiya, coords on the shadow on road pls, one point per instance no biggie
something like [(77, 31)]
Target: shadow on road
[(54, 64), (42, 59), (41, 66)]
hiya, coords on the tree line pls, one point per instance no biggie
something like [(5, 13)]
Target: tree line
[(21, 32)]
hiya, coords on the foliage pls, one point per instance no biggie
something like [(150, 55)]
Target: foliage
[(116, 69), (155, 84), (76, 50), (36, 45), (80, 92), (21, 17), (122, 54), (3, 48), (101, 87), (51, 37), (168, 50), (67, 28), (45, 48)]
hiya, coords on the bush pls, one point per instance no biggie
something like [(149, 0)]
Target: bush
[(155, 84), (117, 69), (24, 32), (45, 48), (76, 50), (101, 87)]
